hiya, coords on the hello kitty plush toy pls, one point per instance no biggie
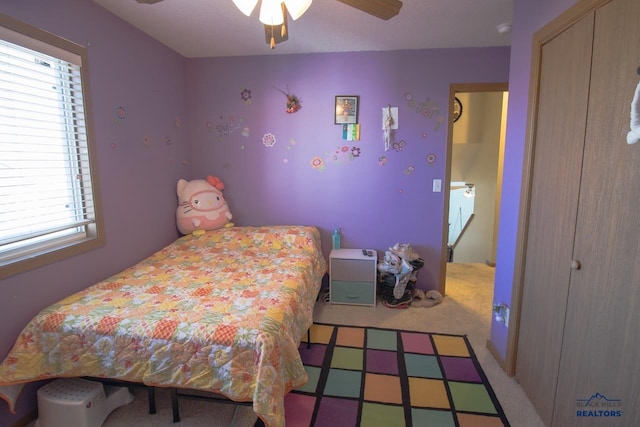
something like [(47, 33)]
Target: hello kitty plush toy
[(201, 206)]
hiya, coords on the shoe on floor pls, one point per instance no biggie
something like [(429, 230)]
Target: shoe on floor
[(426, 299)]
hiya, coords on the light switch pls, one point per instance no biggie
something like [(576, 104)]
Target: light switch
[(437, 185)]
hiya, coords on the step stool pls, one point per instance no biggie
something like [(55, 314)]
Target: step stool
[(76, 402)]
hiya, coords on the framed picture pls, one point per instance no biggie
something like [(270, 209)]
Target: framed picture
[(347, 109)]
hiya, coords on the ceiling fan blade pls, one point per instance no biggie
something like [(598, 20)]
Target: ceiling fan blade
[(383, 9), (148, 1)]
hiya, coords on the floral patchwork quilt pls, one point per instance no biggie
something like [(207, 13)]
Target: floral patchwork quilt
[(223, 312)]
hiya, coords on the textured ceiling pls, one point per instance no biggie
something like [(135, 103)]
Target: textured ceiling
[(211, 28)]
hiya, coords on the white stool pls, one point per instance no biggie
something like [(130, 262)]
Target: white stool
[(76, 402)]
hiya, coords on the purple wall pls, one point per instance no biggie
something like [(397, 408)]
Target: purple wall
[(137, 180), (376, 202), (528, 17)]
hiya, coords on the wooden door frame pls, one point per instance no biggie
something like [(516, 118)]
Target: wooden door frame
[(540, 38), (453, 88)]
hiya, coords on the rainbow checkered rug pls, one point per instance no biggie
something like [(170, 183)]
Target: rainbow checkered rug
[(372, 377)]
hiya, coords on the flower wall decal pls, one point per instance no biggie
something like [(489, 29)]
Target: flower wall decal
[(121, 113), (269, 139), (245, 95), (317, 163), (398, 146), (428, 109)]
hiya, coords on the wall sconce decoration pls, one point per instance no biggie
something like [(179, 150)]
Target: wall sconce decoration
[(293, 102)]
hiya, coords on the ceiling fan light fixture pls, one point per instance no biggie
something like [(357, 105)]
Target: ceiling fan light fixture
[(470, 191), (271, 12), (246, 6), (297, 8)]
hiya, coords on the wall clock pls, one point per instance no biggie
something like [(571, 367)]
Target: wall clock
[(457, 109)]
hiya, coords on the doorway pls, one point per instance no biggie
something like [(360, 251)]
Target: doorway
[(475, 148)]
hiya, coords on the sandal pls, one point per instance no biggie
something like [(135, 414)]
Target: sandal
[(418, 297), (429, 299)]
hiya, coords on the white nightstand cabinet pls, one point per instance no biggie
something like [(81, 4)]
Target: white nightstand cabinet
[(352, 277)]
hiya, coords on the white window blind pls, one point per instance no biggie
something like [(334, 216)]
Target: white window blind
[(46, 198)]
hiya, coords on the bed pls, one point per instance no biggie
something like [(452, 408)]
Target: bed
[(222, 312)]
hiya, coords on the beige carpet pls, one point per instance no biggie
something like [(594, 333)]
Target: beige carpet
[(465, 310)]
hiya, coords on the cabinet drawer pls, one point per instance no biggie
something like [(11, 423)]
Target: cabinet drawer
[(353, 292), (353, 270)]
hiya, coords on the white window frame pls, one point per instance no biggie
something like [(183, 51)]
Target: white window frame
[(32, 250)]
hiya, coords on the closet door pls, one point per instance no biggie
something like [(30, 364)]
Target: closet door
[(559, 141), (601, 345)]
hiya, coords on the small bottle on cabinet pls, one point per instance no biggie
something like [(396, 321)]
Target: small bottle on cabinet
[(336, 238)]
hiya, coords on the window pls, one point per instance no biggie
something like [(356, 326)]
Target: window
[(48, 193)]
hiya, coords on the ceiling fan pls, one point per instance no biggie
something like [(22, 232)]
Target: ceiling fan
[(383, 9), (276, 16)]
